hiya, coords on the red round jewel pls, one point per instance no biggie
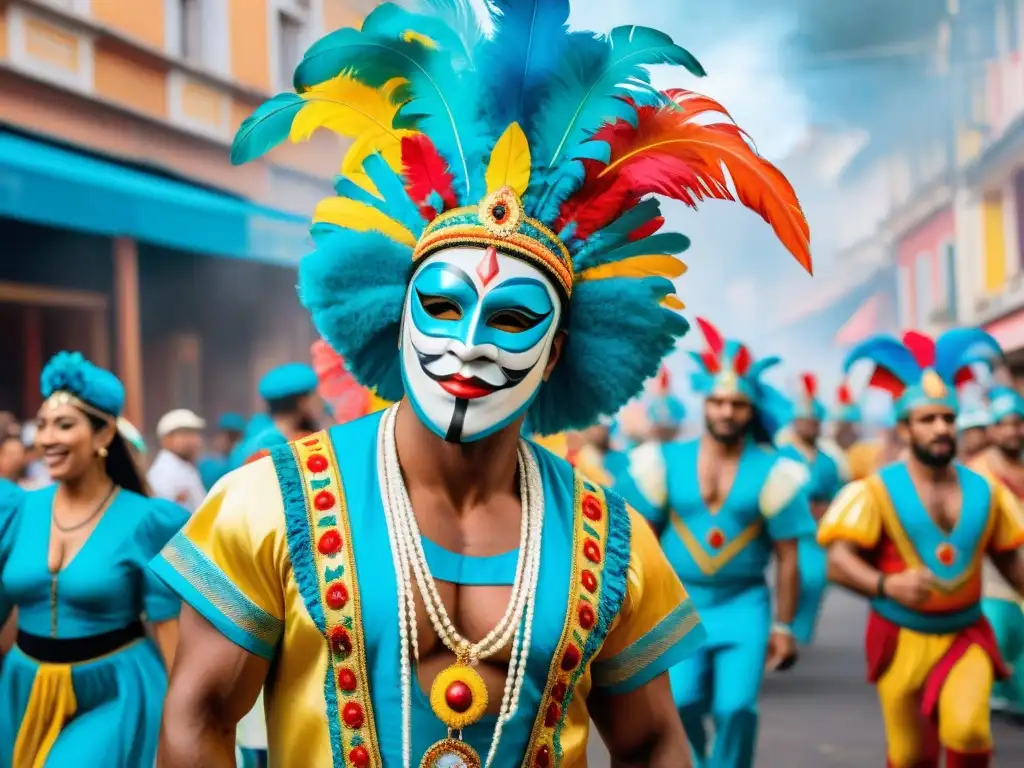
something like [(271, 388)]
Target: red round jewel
[(716, 538), (340, 641), (316, 463), (329, 543), (359, 757), (458, 696), (346, 680), (337, 596), (946, 554), (551, 716), (592, 508), (352, 714), (543, 757), (587, 616), (591, 551), (589, 581), (570, 658), (558, 691), (323, 500)]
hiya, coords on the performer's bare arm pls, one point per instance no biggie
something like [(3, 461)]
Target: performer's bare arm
[(1011, 566), (214, 683), (642, 728), (787, 580), (847, 568)]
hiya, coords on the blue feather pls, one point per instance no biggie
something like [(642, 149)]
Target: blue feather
[(345, 187), (667, 243), (265, 128), (587, 89), (390, 21), (888, 353), (758, 367), (550, 188), (618, 232), (321, 230), (400, 206), (961, 347), (461, 18), (526, 47)]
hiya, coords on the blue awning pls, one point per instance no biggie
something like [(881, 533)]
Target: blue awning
[(62, 188)]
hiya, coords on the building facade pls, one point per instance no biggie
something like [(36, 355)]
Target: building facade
[(124, 230)]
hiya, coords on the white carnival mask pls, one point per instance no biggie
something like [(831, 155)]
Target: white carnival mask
[(477, 332)]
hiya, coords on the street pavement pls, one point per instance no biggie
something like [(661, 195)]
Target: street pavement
[(823, 714)]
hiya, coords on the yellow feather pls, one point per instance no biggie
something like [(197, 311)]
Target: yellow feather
[(637, 266), (410, 36), (672, 302), (357, 112), (352, 214), (510, 162)]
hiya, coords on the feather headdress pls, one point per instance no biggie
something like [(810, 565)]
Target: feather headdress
[(919, 370), (846, 408), (544, 144), (1005, 401), (664, 409), (807, 404)]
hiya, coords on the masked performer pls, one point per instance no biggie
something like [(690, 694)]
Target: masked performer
[(724, 503), (1001, 604), (423, 586), (83, 685), (805, 444), (912, 538)]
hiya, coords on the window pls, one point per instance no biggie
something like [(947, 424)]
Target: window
[(190, 30), (292, 20)]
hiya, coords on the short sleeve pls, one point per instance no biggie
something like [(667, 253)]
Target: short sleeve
[(163, 519), (852, 517), (11, 500), (784, 501), (657, 626), (230, 561), (644, 483), (1008, 527)]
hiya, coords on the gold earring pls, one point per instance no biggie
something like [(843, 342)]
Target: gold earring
[(102, 452)]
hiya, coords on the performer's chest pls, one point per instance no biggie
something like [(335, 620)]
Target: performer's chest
[(725, 493)]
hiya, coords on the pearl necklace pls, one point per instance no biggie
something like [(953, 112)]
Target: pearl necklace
[(407, 550)]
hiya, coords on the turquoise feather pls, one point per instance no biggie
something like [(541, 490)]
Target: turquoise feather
[(960, 347), (345, 187), (587, 89), (265, 128), (399, 206), (392, 22), (461, 18), (663, 243), (616, 233), (889, 353)]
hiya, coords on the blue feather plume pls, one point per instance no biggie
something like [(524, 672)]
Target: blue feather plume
[(888, 353), (265, 128), (399, 206), (961, 347), (462, 19)]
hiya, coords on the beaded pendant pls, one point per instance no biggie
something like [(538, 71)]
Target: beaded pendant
[(451, 753), (458, 697)]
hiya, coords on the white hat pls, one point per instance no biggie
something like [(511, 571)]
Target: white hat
[(180, 418)]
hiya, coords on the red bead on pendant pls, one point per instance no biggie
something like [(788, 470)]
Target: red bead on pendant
[(458, 696)]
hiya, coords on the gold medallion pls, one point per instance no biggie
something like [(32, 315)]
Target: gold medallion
[(458, 696), (451, 753)]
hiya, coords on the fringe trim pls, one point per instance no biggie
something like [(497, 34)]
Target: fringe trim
[(618, 549)]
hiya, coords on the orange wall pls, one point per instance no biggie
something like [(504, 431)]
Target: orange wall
[(142, 19), (130, 80), (250, 46)]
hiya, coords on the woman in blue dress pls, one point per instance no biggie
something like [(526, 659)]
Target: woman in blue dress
[(85, 684)]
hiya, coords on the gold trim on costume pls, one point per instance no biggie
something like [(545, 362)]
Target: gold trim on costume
[(338, 584), (711, 564), (590, 537)]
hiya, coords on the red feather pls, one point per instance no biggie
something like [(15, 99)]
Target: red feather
[(844, 396), (884, 379), (671, 154), (711, 362), (964, 376), (714, 340), (809, 382), (741, 364), (426, 172), (921, 347), (646, 230)]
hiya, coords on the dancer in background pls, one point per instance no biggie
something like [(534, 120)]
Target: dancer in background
[(973, 437), (294, 407), (1004, 462), (911, 539), (827, 470), (725, 504), (495, 273), (217, 462), (83, 685)]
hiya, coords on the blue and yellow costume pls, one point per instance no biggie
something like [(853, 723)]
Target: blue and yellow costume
[(722, 554), (826, 479), (934, 665), (212, 467), (527, 147), (1001, 605), (83, 686)]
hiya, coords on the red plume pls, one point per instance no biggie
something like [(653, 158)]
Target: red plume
[(921, 347), (843, 395), (884, 379), (338, 387), (809, 382), (711, 362), (646, 230), (426, 172), (669, 153), (742, 361), (964, 376), (714, 340)]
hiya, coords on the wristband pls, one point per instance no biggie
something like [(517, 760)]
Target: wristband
[(880, 589), (782, 628)]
